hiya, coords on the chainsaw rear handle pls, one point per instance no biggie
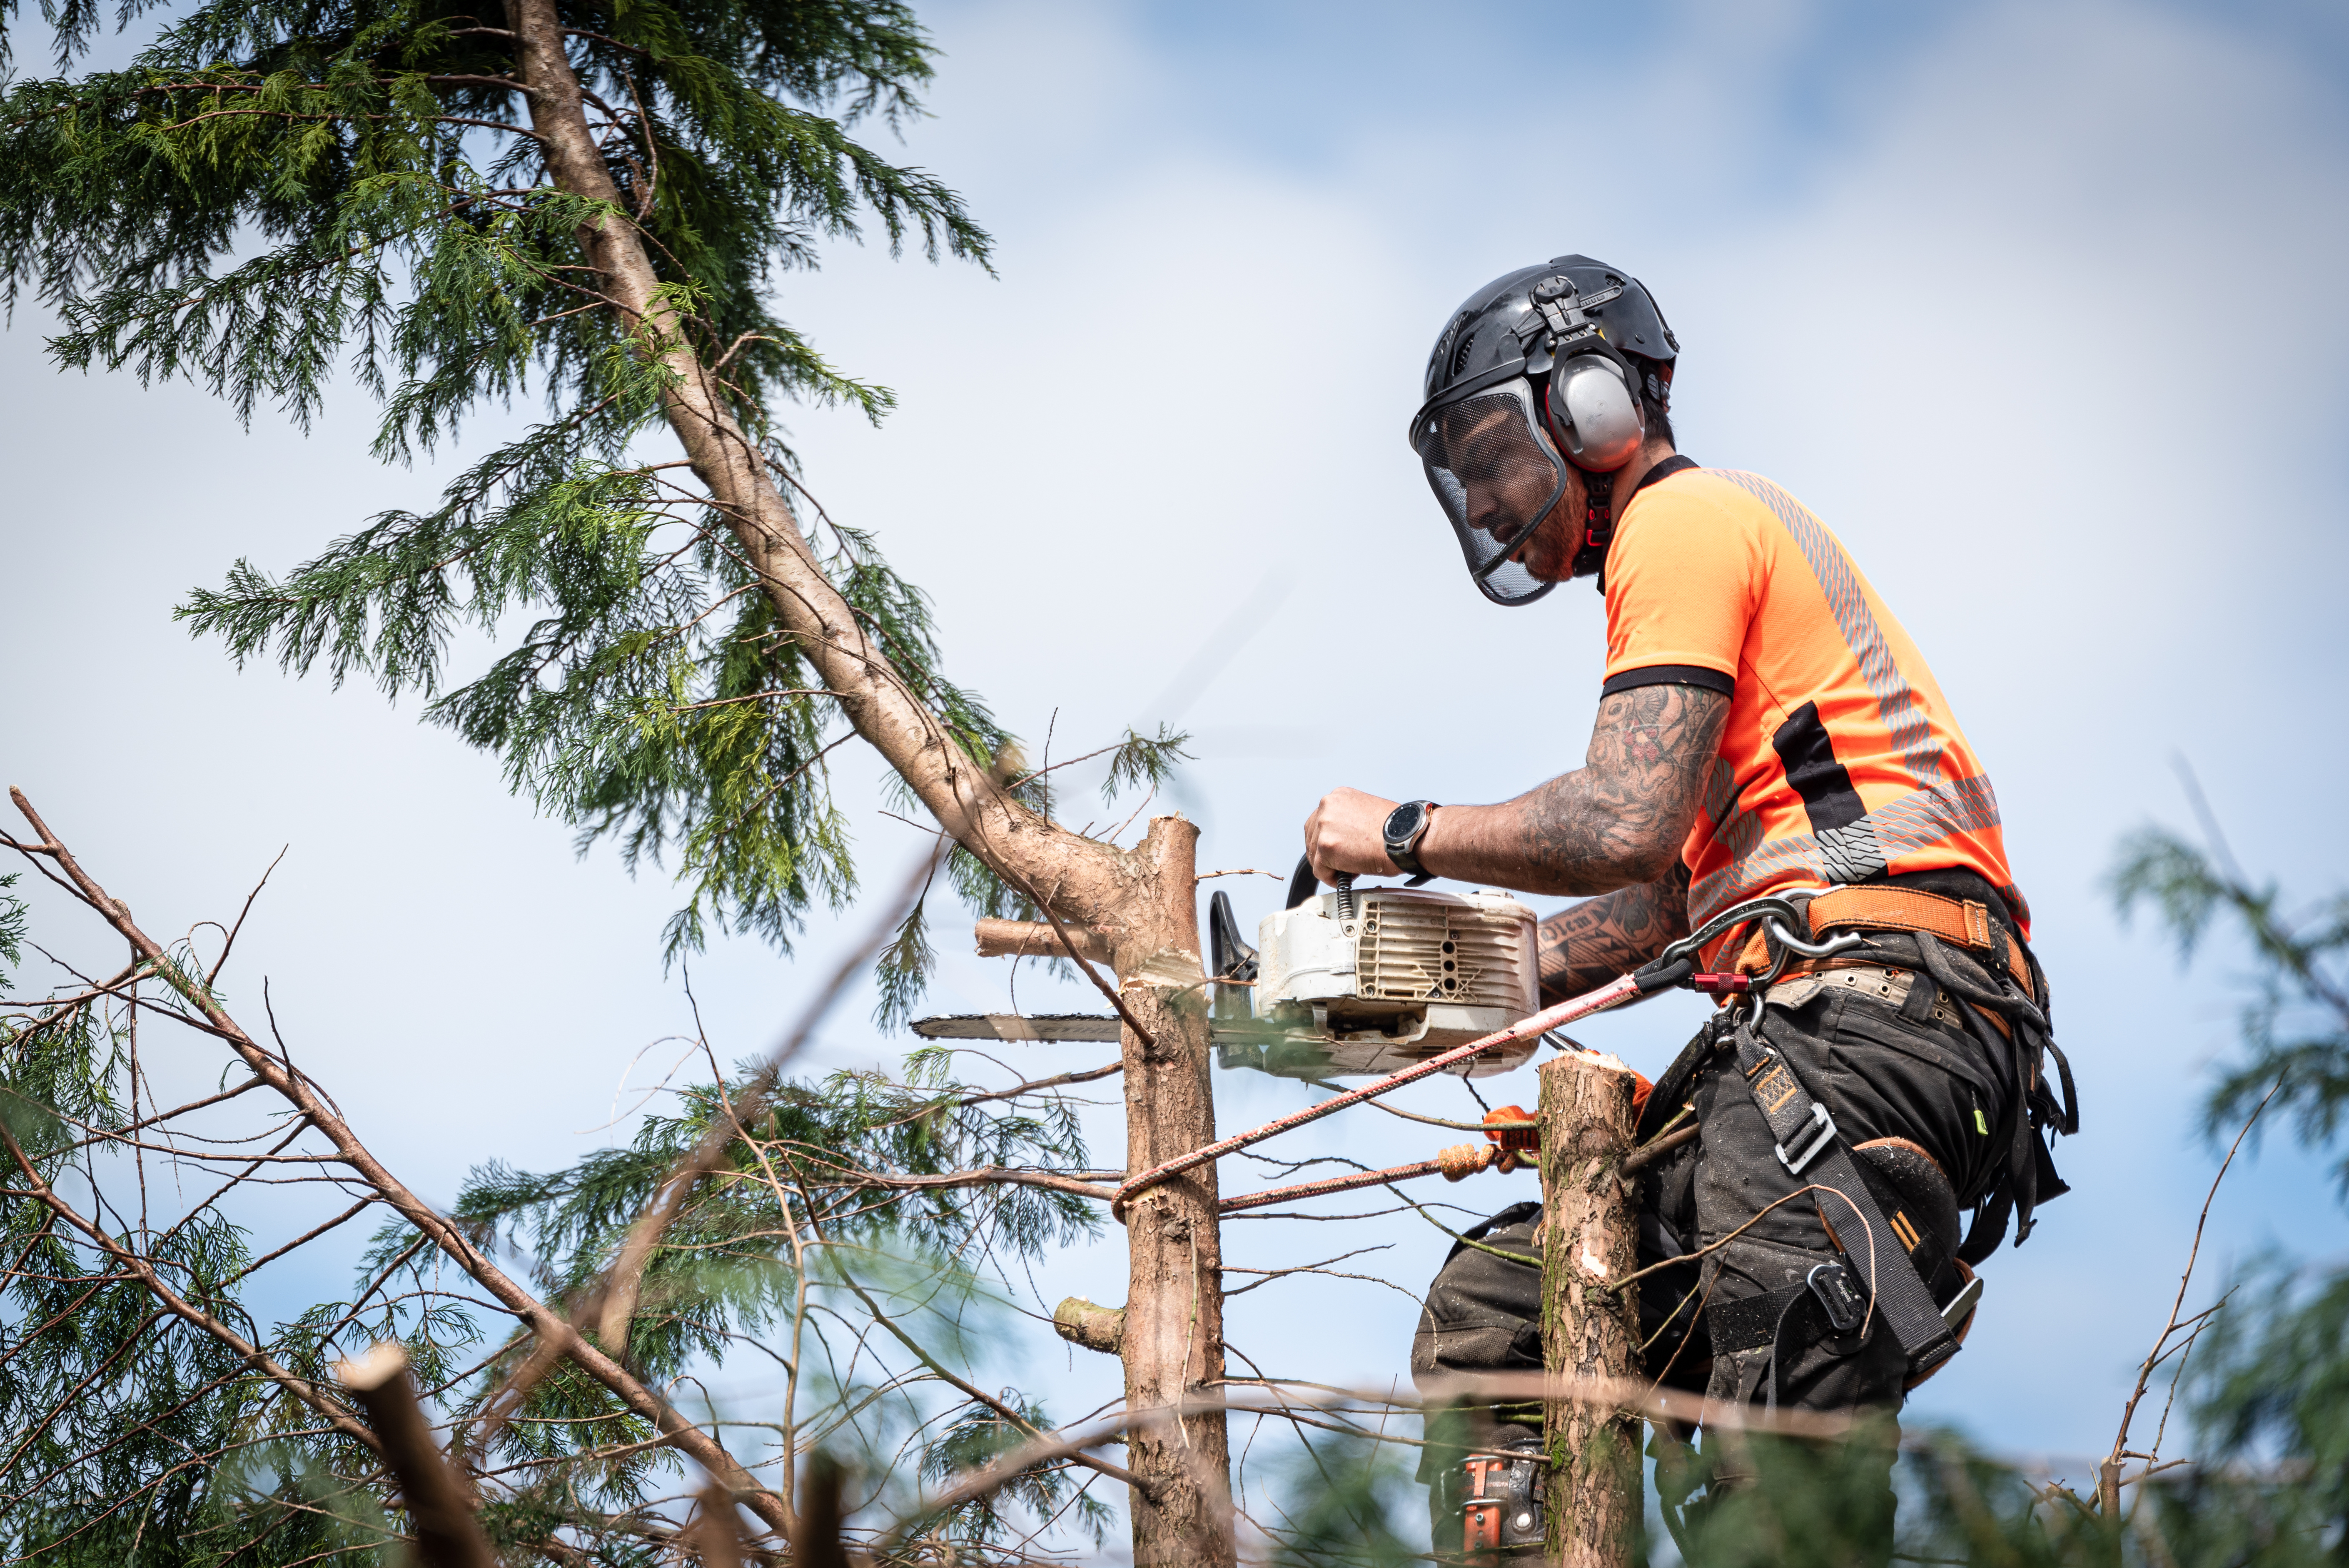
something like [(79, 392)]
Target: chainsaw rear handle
[(1303, 882)]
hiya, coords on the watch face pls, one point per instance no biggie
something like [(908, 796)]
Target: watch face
[(1401, 821)]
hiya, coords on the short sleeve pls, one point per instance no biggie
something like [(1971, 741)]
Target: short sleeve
[(1682, 588)]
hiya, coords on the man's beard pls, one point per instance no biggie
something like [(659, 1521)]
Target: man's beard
[(1547, 552)]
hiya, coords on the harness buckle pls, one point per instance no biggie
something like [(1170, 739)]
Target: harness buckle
[(1962, 1305), (1814, 1139), (1831, 1284)]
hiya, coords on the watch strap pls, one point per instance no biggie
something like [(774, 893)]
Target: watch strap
[(1405, 851)]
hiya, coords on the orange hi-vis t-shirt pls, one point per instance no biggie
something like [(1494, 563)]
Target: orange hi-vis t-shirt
[(1841, 758)]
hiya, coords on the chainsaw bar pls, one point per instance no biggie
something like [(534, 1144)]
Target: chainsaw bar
[(1245, 1043), (1015, 1026)]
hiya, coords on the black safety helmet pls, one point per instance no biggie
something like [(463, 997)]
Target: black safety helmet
[(1547, 357)]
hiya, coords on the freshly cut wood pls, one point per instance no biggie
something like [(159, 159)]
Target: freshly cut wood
[(447, 1534), (1590, 1329), (1174, 1343)]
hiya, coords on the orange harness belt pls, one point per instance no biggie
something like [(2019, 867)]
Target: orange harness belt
[(1963, 922)]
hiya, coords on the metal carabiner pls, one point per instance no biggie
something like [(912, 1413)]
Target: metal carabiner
[(1794, 944), (1783, 946)]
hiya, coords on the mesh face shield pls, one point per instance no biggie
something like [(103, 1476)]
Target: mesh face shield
[(1497, 475)]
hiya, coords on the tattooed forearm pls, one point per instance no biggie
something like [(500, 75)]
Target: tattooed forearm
[(1618, 820), (1584, 947)]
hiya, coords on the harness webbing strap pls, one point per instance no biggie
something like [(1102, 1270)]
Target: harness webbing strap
[(1814, 1151)]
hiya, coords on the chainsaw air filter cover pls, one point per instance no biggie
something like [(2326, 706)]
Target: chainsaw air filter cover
[(1410, 975)]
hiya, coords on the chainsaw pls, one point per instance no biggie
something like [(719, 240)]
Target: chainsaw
[(1340, 983)]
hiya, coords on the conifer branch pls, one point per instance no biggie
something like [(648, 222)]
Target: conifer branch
[(341, 1418), (295, 1089)]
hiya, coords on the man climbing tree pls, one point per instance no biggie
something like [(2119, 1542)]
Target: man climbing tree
[(1774, 771), (590, 200)]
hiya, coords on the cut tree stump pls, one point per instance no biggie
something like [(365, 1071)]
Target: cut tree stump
[(1590, 1331), (1085, 1323)]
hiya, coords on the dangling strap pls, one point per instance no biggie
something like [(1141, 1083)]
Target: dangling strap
[(1809, 1143)]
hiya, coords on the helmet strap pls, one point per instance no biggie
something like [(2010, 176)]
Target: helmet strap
[(1597, 524)]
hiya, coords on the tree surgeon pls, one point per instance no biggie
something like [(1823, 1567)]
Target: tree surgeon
[(1765, 729)]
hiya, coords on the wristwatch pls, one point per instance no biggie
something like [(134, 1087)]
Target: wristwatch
[(1406, 826)]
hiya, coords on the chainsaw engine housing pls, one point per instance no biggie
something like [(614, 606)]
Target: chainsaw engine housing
[(1410, 975)]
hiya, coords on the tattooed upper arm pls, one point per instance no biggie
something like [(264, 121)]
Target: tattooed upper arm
[(1631, 805), (1620, 819)]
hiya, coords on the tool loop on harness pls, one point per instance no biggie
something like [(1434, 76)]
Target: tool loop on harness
[(1729, 919), (1676, 965)]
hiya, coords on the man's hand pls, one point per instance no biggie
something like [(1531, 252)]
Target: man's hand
[(1347, 833)]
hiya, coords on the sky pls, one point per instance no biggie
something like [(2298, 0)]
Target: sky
[(2034, 304)]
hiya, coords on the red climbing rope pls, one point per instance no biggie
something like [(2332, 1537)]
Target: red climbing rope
[(1614, 993), (1460, 1161), (1322, 1189)]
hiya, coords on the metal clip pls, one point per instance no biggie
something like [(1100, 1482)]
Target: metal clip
[(1816, 1137), (1831, 1282), (1794, 944)]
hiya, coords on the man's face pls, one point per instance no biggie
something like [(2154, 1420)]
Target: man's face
[(1503, 488)]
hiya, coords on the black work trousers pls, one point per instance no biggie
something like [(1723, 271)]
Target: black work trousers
[(1884, 1067)]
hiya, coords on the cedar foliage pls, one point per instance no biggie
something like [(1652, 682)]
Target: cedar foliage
[(130, 1434), (274, 191), (2270, 1382)]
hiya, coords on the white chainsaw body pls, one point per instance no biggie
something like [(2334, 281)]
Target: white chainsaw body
[(1411, 975)]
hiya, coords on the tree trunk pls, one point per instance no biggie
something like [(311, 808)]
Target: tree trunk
[(1144, 901), (1174, 1332), (1590, 1239), (1081, 877)]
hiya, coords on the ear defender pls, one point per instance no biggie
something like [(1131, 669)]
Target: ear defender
[(1594, 407)]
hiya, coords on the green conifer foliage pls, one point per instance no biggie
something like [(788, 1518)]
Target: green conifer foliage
[(2270, 1377), (155, 1407), (593, 207), (277, 191)]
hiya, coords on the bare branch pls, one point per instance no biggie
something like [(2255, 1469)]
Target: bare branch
[(2109, 1472)]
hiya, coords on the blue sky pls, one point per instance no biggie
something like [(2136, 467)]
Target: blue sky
[(2035, 304)]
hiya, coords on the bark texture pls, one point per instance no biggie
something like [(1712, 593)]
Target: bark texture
[(1085, 1323), (1173, 1339), (1035, 939), (1589, 1330)]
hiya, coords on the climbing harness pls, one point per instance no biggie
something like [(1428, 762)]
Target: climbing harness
[(1925, 1291), (1899, 1267)]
